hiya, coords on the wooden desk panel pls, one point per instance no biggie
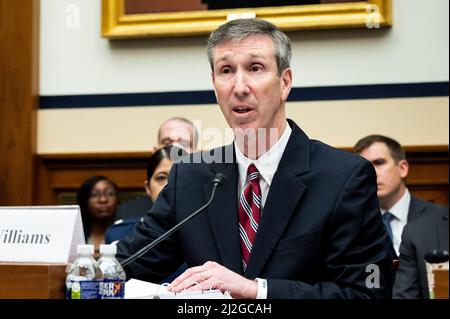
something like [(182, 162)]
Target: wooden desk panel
[(441, 283), (32, 281)]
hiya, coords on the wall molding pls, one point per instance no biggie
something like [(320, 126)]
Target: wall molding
[(320, 93)]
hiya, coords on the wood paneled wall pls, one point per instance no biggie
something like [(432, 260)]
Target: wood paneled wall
[(428, 176), (428, 173), (19, 89), (65, 173)]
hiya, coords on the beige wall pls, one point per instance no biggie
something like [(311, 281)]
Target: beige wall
[(78, 61), (419, 121)]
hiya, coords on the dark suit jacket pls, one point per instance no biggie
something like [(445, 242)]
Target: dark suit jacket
[(417, 208), (120, 229), (136, 208), (320, 230), (421, 235)]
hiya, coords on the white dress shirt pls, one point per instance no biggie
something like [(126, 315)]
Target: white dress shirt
[(400, 213), (267, 165)]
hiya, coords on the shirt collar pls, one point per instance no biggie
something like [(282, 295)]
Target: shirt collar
[(267, 164), (400, 209)]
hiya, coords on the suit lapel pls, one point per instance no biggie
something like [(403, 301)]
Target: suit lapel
[(284, 195), (223, 215), (415, 209)]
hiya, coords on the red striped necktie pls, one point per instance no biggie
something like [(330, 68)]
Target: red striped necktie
[(249, 213)]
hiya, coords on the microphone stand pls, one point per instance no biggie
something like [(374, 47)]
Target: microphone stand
[(218, 181)]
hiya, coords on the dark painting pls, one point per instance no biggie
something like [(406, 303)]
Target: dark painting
[(160, 6)]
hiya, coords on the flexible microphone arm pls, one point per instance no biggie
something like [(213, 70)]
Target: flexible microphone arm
[(218, 180)]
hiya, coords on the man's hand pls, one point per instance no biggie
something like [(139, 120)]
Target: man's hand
[(213, 275)]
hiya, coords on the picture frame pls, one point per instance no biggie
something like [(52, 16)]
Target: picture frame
[(116, 24)]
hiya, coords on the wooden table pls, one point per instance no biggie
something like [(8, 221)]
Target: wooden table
[(32, 281)]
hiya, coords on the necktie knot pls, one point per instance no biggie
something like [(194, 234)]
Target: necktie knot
[(387, 217), (252, 173)]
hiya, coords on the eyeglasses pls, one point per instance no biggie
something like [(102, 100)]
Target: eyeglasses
[(107, 194)]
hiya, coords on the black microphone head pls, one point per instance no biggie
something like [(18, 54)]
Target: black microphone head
[(219, 179), (436, 256)]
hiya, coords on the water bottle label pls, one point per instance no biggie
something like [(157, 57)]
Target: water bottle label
[(112, 289), (86, 289)]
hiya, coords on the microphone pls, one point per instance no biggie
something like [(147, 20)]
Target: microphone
[(218, 181), (437, 256)]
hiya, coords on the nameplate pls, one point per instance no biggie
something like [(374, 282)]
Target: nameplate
[(47, 234)]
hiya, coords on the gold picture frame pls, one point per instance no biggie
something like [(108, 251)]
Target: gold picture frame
[(365, 14)]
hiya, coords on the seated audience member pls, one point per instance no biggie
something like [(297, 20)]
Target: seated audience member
[(397, 204), (420, 236), (158, 168), (178, 131), (98, 201)]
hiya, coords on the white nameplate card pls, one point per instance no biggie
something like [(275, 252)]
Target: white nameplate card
[(47, 234), (138, 289)]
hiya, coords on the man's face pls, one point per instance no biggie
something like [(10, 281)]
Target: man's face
[(247, 86), (176, 132), (390, 174)]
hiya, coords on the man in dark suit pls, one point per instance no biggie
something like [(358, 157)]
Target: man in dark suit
[(421, 236), (397, 204), (295, 218)]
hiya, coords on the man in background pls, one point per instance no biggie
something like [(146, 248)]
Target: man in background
[(176, 130), (397, 204), (423, 235)]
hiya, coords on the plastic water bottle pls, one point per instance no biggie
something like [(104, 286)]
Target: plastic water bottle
[(84, 275), (113, 284)]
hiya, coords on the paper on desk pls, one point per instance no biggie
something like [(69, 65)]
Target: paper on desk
[(138, 289)]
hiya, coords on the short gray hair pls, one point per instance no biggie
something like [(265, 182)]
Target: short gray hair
[(194, 137), (239, 29)]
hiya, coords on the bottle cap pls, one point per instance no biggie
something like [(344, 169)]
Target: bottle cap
[(108, 249), (85, 249)]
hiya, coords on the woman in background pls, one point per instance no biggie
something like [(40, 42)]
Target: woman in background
[(158, 168), (98, 201)]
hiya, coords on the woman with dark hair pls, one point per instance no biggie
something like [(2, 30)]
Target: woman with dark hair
[(158, 168), (98, 201)]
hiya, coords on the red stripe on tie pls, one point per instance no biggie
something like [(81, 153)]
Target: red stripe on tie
[(249, 213)]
